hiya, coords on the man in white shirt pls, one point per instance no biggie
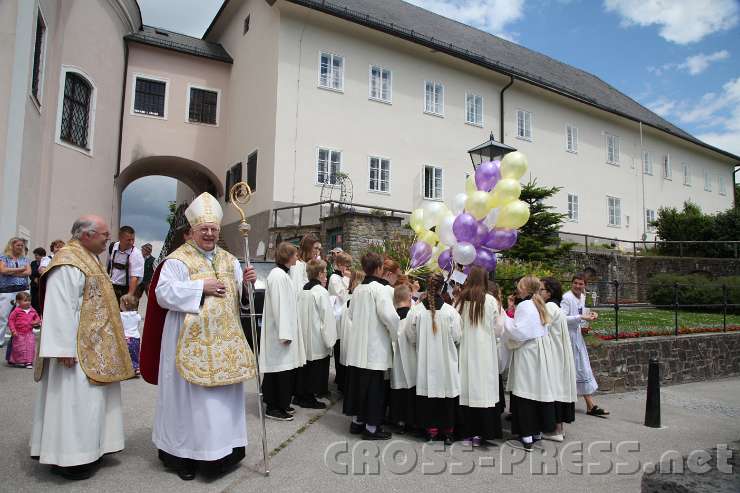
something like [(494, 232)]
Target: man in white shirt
[(126, 263)]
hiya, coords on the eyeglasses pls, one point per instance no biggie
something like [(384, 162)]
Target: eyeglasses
[(209, 231)]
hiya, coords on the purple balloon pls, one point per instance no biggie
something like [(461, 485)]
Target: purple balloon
[(486, 259), (481, 234), (465, 227), (421, 253), (445, 260), (501, 239), (487, 175)]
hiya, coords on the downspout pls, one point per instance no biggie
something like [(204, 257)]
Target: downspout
[(641, 170), (501, 108)]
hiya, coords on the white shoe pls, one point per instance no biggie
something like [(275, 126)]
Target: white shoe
[(556, 437)]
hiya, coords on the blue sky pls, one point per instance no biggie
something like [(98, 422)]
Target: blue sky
[(680, 58)]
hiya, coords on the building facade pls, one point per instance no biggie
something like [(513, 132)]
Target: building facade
[(289, 94)]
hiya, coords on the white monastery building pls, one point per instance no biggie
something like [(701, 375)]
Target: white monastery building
[(285, 94)]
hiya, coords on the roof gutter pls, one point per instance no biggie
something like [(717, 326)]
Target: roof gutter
[(501, 108)]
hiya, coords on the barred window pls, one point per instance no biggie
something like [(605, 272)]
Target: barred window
[(38, 57), (149, 98), (203, 106), (233, 176), (75, 110), (252, 171)]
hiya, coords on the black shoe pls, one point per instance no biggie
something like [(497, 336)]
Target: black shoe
[(356, 428), (310, 404), (278, 415), (400, 430), (73, 473), (290, 410), (186, 471), (379, 434), (432, 437), (449, 439)]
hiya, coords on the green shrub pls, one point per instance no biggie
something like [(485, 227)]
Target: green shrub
[(508, 271), (694, 289)]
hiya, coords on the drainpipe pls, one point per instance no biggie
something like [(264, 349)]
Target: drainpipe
[(501, 108)]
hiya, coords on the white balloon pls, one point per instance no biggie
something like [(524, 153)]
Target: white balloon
[(432, 213), (458, 203), (445, 232), (464, 253), (491, 218)]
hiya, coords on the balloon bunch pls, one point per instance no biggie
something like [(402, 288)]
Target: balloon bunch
[(478, 223)]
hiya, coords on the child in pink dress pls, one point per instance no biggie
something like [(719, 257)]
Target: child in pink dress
[(21, 322)]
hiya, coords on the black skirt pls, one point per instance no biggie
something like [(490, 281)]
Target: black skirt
[(501, 404), (565, 412), (313, 378), (365, 395), (484, 422), (530, 417), (339, 368), (277, 389), (403, 406), (436, 412)]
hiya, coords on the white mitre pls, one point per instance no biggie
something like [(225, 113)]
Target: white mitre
[(204, 209)]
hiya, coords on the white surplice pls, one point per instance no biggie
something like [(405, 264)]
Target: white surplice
[(403, 373), (74, 421), (479, 356), (298, 275), (280, 322), (317, 322), (192, 421)]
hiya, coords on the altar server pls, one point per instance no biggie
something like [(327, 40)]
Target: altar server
[(339, 288), (308, 249), (403, 374)]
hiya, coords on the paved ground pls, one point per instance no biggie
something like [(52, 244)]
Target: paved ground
[(699, 415)]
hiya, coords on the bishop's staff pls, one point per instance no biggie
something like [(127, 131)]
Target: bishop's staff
[(240, 195)]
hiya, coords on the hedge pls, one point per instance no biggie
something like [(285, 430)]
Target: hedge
[(694, 289)]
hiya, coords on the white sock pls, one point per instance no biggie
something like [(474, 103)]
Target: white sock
[(356, 421), (371, 428), (527, 439)]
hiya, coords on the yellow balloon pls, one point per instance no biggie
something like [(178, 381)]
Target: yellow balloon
[(477, 204), (470, 185), (429, 237), (513, 215), (417, 220), (514, 165), (507, 190)]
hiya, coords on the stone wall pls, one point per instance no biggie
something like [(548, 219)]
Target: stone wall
[(623, 365)]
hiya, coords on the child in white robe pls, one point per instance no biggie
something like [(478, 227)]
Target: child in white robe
[(345, 324), (434, 328), (308, 249), (318, 325), (281, 340), (403, 374), (339, 288)]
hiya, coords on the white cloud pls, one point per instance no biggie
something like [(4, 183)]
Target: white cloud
[(680, 22), (489, 15), (662, 106), (699, 63)]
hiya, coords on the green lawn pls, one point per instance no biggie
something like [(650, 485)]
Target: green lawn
[(651, 319)]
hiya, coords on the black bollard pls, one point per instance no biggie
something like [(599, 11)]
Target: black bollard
[(652, 404)]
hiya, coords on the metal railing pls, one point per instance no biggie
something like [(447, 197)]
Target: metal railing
[(681, 248), (311, 214)]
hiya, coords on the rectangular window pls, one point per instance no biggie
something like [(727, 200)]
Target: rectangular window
[(686, 175), (328, 165), (434, 98), (75, 110), (380, 84), (474, 109), (149, 97), (612, 149), (233, 176), (331, 72), (667, 171), (252, 171), (614, 206), (203, 106), (433, 183), (649, 220), (647, 163), (571, 138), (380, 174), (39, 51), (524, 124), (722, 186), (572, 207), (707, 181)]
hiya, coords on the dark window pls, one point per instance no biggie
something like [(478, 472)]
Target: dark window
[(252, 171), (233, 176), (203, 105), (37, 55), (75, 110), (149, 97), (246, 24)]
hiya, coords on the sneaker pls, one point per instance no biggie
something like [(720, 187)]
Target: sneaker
[(356, 428), (379, 434), (29, 366), (521, 445), (555, 437), (278, 415), (290, 410), (310, 404)]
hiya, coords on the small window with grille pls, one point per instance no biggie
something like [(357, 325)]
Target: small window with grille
[(149, 97), (74, 128), (203, 106)]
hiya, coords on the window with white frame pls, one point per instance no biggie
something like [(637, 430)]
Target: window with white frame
[(686, 175), (612, 149), (667, 171), (328, 165), (150, 96), (722, 186), (380, 84), (647, 163), (707, 181), (202, 106), (614, 207), (573, 207), (433, 182), (650, 220), (380, 174), (434, 97), (39, 58), (571, 138), (331, 71), (77, 105), (474, 109), (524, 124)]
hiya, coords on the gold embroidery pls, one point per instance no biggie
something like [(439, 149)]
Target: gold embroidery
[(212, 349), (101, 346)]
